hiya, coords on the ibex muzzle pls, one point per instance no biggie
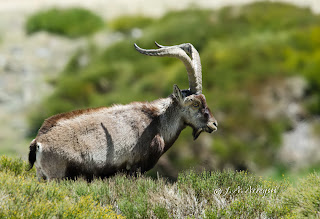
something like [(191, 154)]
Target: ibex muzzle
[(129, 138)]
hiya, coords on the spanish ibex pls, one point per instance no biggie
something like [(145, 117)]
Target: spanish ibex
[(129, 138)]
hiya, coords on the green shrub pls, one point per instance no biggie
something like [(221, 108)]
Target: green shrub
[(126, 23), (304, 200), (72, 22), (16, 166), (304, 57)]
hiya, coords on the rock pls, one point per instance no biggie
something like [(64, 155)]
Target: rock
[(284, 98), (300, 148), (281, 98)]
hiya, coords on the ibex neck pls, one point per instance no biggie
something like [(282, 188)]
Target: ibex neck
[(171, 123)]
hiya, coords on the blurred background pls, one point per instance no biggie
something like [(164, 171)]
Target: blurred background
[(261, 74)]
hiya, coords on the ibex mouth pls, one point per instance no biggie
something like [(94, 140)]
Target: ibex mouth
[(196, 133), (211, 127)]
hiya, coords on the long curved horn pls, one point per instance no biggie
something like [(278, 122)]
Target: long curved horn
[(193, 64), (196, 62)]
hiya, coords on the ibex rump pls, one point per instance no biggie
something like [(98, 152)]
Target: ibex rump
[(100, 142)]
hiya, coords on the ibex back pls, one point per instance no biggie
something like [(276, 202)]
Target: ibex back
[(129, 138)]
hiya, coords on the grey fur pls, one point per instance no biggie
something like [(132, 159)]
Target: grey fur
[(101, 142)]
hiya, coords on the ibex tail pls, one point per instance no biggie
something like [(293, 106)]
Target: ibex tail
[(32, 153)]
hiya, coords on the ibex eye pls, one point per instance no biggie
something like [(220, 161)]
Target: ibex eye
[(195, 104)]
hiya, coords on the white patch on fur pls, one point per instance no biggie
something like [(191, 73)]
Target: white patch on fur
[(99, 156), (163, 104), (38, 155), (170, 131)]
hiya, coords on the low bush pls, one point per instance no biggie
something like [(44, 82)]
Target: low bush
[(126, 23), (71, 22)]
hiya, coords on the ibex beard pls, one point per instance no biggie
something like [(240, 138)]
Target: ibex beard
[(123, 138)]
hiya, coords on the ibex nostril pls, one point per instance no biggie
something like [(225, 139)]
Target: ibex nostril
[(215, 124)]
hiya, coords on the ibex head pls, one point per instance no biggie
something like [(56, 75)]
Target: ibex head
[(194, 109)]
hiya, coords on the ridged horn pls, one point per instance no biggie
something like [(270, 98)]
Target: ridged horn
[(193, 64)]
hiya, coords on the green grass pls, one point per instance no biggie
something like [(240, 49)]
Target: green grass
[(21, 196), (71, 22), (226, 194)]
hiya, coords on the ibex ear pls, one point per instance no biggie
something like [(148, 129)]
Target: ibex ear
[(177, 93)]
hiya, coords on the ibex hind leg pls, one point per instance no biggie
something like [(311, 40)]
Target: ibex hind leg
[(49, 165), (41, 176)]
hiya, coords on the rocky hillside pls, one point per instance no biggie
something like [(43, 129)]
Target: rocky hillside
[(26, 63)]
